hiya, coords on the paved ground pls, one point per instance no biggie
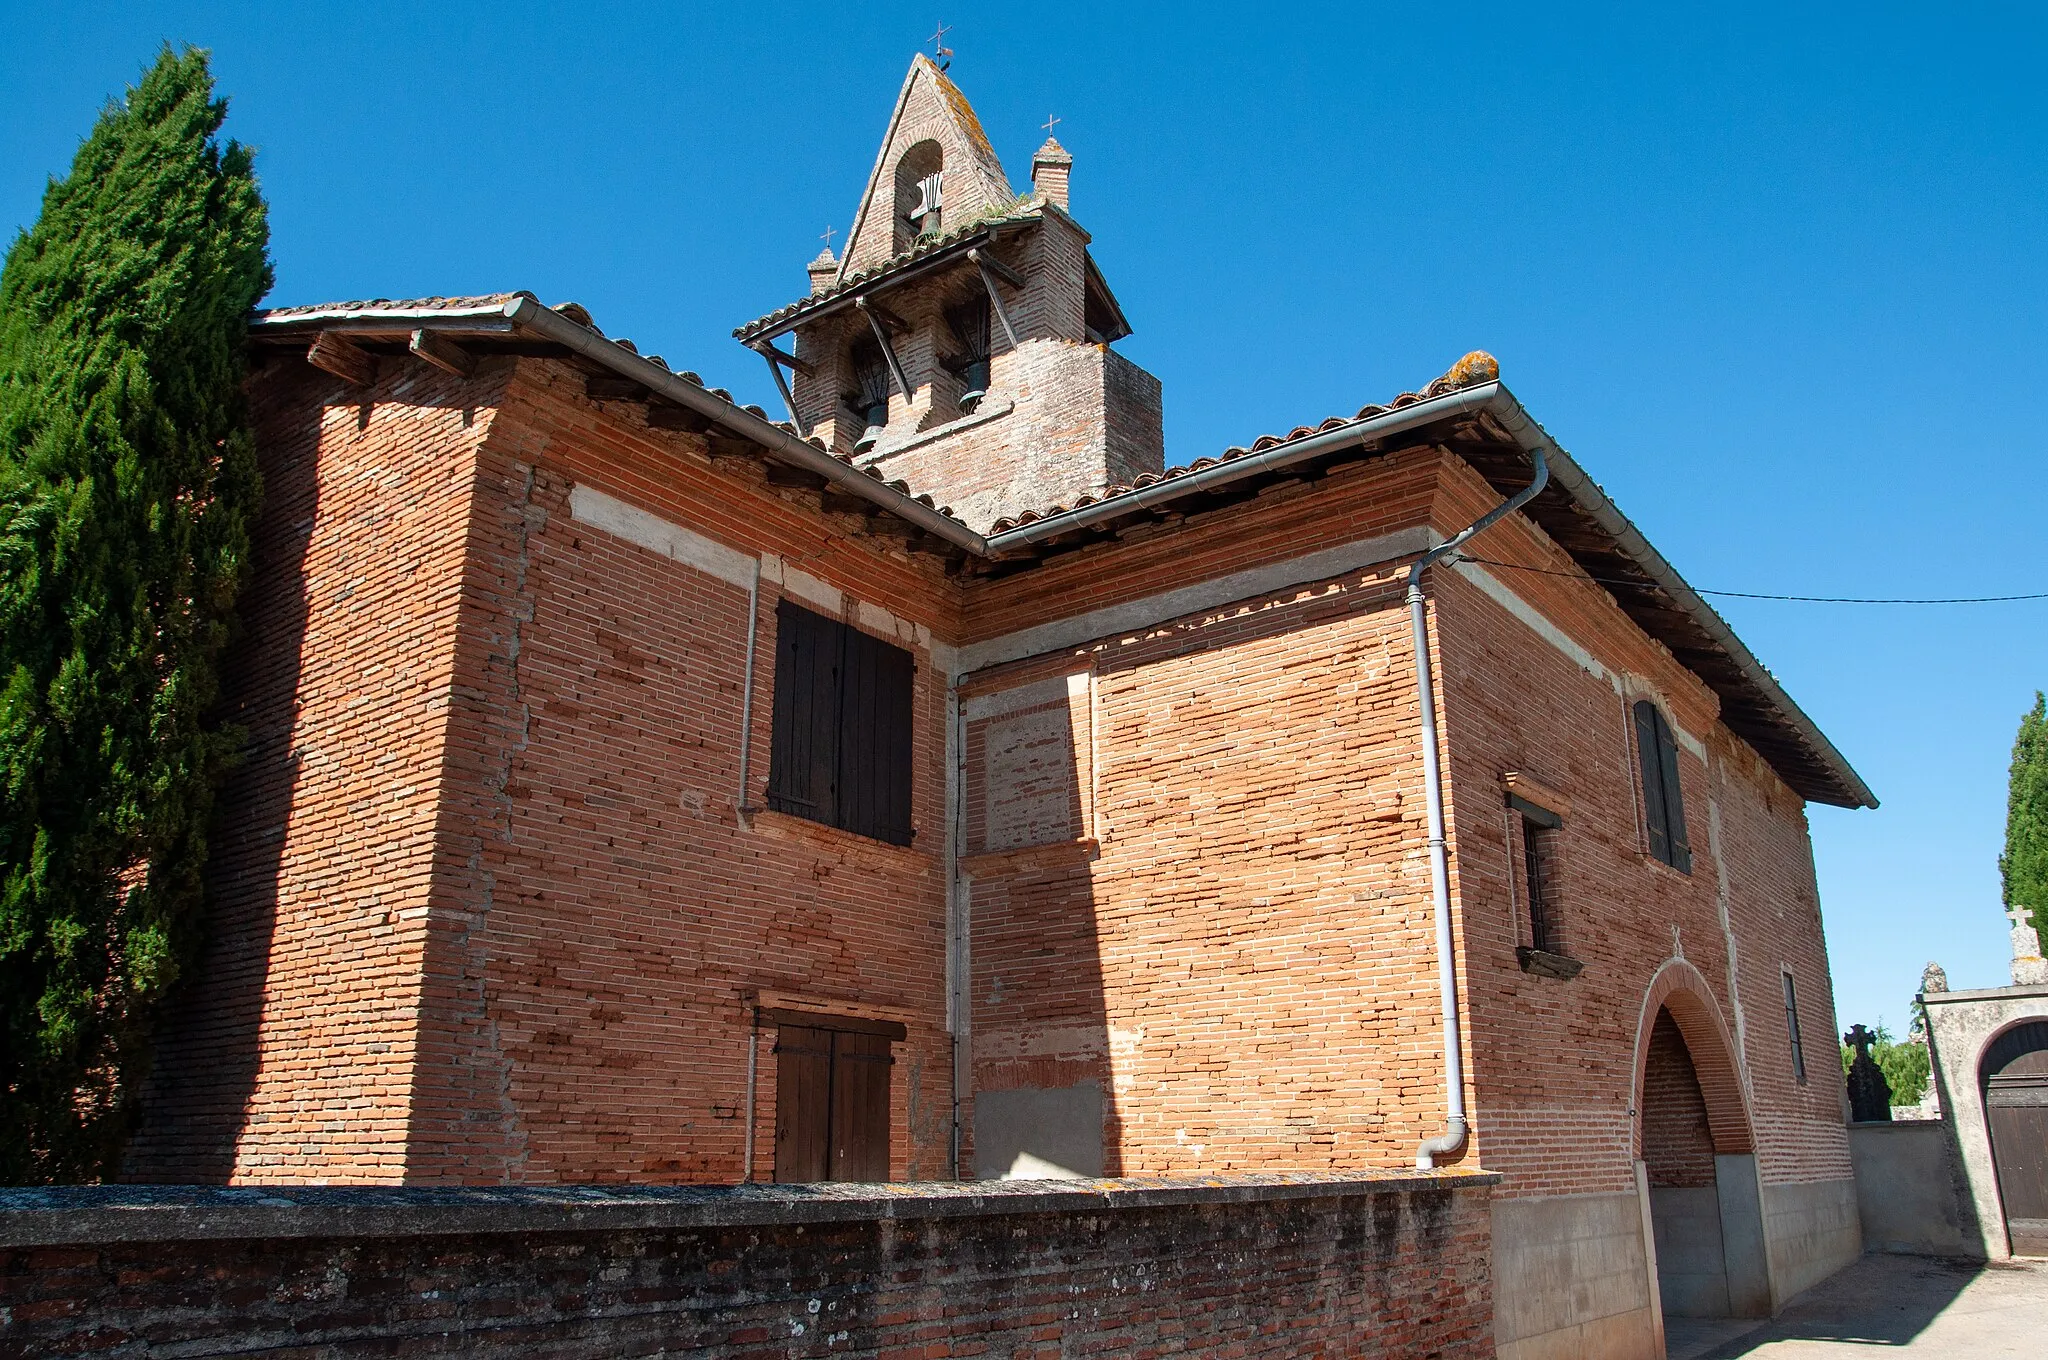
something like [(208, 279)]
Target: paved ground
[(1891, 1306)]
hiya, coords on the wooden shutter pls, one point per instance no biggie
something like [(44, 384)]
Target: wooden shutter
[(1792, 1027), (1674, 802), (803, 764), (860, 1107), (1652, 764), (874, 739), (803, 1103)]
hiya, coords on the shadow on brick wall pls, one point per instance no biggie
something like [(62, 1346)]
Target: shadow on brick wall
[(195, 1103)]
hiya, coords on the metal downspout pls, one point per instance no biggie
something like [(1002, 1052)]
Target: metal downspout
[(960, 989), (1452, 1139)]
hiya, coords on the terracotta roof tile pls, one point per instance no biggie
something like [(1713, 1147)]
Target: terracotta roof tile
[(428, 304), (1476, 367), (579, 314), (926, 246)]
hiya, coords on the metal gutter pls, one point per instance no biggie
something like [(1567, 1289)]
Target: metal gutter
[(1494, 398), (1586, 493), (528, 312)]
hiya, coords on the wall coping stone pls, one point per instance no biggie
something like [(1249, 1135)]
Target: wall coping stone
[(84, 1215), (1985, 994)]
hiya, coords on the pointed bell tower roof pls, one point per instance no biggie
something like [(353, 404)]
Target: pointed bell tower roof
[(929, 109)]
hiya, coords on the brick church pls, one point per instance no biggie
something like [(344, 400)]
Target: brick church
[(927, 781)]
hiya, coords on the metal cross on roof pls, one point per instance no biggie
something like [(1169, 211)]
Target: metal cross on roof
[(1047, 124), (941, 53), (826, 236)]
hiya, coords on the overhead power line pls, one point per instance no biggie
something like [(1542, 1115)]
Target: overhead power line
[(1755, 595)]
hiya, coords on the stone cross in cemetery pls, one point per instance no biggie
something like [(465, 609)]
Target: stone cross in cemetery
[(1870, 1095)]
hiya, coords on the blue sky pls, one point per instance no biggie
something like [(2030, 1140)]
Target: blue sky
[(1774, 276)]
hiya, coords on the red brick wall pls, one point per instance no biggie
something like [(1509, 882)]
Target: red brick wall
[(607, 910), (1554, 1056), (1250, 978), (515, 805), (487, 908), (292, 1057), (1677, 1144), (1259, 896)]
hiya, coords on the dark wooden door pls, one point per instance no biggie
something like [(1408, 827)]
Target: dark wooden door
[(832, 1099), (860, 1107), (803, 1103), (2016, 1108)]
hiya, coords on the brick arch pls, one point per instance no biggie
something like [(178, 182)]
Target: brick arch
[(1679, 988)]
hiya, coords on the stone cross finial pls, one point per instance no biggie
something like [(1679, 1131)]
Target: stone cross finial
[(2028, 967), (1859, 1039)]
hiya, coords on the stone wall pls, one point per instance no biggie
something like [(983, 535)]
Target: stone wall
[(1961, 1026), (1390, 1267), (1910, 1192)]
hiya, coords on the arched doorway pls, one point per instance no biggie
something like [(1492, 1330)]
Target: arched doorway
[(2013, 1079), (1699, 1162)]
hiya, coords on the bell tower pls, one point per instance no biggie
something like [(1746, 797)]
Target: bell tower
[(962, 341)]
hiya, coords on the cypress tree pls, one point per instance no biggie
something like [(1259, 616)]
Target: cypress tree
[(127, 485), (2023, 868)]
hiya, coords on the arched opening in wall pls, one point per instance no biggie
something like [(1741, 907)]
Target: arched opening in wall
[(1678, 1152), (2013, 1080), (1706, 1208), (920, 194)]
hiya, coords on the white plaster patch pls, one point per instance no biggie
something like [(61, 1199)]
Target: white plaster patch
[(587, 505), (1020, 697), (1541, 626), (801, 585)]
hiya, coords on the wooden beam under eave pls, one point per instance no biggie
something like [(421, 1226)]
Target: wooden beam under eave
[(442, 353), (844, 503), (333, 352), (662, 416), (614, 389), (782, 474)]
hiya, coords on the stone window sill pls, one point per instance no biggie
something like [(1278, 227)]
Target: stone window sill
[(1542, 963), (923, 437)]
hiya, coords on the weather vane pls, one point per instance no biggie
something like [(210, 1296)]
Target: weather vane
[(941, 53)]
